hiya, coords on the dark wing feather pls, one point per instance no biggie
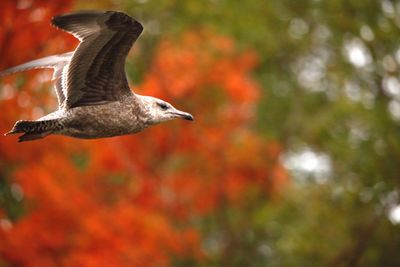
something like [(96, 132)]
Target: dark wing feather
[(96, 73)]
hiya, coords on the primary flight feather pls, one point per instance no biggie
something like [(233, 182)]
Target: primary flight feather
[(94, 99)]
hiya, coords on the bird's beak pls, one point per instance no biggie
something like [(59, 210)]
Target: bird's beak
[(183, 115)]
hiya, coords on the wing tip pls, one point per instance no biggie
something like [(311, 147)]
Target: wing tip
[(60, 21), (113, 19)]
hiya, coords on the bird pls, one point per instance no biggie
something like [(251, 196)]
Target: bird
[(94, 98)]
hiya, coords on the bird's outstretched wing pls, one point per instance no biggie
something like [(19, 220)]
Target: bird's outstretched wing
[(57, 62), (96, 73)]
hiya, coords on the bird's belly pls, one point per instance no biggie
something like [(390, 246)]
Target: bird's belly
[(103, 121)]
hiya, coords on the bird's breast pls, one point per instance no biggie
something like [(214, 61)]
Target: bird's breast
[(112, 119)]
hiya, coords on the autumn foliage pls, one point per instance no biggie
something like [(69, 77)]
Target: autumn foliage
[(136, 200)]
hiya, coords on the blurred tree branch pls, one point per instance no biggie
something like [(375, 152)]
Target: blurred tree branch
[(351, 255)]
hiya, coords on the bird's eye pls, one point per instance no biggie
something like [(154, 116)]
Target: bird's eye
[(163, 106)]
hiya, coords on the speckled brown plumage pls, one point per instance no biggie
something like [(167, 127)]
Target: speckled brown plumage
[(94, 97)]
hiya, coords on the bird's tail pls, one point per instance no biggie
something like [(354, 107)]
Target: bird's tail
[(32, 129)]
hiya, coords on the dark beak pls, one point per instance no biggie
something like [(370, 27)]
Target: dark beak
[(183, 115), (188, 117)]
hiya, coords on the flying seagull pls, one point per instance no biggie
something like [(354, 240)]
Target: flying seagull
[(94, 99)]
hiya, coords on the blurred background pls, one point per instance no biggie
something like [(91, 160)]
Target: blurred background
[(293, 159)]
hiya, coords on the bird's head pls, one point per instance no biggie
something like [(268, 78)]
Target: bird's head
[(160, 110)]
